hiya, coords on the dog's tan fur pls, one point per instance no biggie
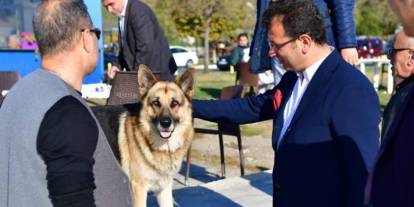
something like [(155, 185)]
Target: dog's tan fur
[(149, 160)]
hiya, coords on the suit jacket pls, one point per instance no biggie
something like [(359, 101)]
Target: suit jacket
[(393, 175), (331, 142), (145, 43)]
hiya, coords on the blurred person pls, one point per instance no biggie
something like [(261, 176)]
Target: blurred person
[(325, 114), (404, 9), (240, 54), (53, 152), (392, 180), (141, 40), (13, 42), (340, 30)]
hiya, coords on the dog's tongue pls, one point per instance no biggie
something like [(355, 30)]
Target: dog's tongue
[(165, 134)]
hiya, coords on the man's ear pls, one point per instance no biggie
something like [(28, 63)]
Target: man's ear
[(145, 79), (87, 41), (186, 82), (306, 43)]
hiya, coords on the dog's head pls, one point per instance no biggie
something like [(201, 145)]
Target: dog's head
[(166, 106)]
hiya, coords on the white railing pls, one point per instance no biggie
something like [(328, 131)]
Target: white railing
[(378, 63)]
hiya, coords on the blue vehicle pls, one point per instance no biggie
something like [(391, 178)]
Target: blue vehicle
[(223, 62)]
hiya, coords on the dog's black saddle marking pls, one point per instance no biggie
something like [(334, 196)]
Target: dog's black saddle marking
[(108, 117)]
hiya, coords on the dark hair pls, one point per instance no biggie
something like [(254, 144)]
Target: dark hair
[(242, 35), (57, 23), (299, 17)]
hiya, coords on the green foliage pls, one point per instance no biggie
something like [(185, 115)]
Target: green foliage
[(223, 17), (374, 17), (162, 10), (208, 86)]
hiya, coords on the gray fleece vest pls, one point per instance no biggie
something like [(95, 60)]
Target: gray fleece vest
[(22, 170)]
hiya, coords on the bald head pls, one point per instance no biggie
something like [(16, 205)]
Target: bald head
[(401, 55), (58, 23), (403, 41)]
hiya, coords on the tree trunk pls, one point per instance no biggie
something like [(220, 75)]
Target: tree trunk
[(206, 45), (214, 55)]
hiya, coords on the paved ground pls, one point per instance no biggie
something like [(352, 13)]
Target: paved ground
[(206, 187), (250, 191)]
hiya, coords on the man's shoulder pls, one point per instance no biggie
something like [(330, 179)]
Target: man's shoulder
[(348, 74), (138, 5), (138, 10)]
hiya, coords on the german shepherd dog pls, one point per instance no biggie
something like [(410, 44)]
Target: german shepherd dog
[(153, 139)]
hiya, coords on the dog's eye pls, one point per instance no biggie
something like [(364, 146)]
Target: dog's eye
[(174, 103), (156, 103)]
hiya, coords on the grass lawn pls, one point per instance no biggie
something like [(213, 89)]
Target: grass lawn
[(208, 85)]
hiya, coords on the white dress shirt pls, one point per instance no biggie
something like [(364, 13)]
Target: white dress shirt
[(299, 89)]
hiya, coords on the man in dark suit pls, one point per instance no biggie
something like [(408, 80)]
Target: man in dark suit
[(392, 180), (141, 39), (325, 114)]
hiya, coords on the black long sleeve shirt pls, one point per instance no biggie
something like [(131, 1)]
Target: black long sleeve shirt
[(66, 141)]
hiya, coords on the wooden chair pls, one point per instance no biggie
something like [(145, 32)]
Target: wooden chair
[(7, 80), (224, 128), (124, 89), (247, 78)]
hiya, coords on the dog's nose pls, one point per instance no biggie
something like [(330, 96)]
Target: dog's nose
[(165, 122)]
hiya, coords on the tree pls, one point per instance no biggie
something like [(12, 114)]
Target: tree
[(374, 17), (208, 19)]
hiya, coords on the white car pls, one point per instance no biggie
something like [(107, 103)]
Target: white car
[(183, 57)]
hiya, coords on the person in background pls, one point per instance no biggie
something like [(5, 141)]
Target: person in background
[(401, 56), (13, 42), (240, 54), (52, 150), (391, 182), (141, 40), (325, 114), (340, 30)]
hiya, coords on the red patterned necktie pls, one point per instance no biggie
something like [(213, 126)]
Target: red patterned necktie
[(277, 99)]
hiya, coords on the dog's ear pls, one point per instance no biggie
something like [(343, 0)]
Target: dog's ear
[(186, 82), (145, 79)]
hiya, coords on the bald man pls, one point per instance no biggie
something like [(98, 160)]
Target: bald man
[(392, 180)]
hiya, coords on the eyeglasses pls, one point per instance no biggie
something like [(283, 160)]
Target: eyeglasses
[(392, 51), (94, 30), (277, 47)]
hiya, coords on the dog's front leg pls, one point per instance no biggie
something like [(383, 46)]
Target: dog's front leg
[(140, 194), (164, 197)]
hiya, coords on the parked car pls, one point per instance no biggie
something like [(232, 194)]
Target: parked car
[(223, 62), (183, 57), (369, 47)]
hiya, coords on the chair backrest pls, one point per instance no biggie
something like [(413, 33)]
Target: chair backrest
[(124, 89), (8, 79), (247, 77), (230, 92)]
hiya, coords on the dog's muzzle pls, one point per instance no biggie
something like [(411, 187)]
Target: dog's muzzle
[(165, 127)]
